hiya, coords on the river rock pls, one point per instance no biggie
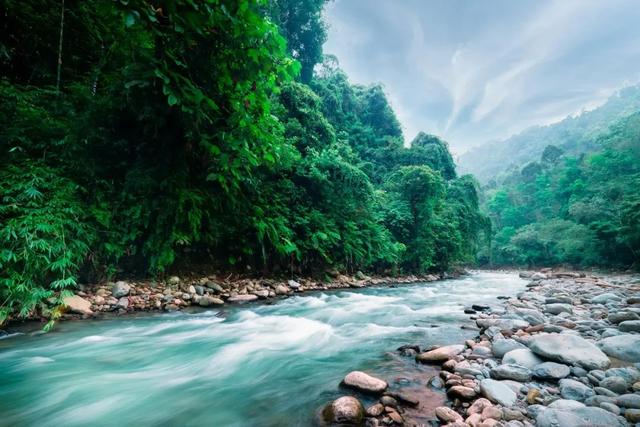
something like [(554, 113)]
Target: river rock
[(77, 304), (173, 280), (622, 316), (523, 357), (558, 308), (575, 390), (534, 317), (502, 324), (447, 415), (261, 293), (123, 303), (120, 289), (462, 392), (440, 354), (632, 415), (375, 410), (629, 326), (502, 347), (569, 349), (605, 298), (511, 372), (364, 382), (578, 417), (206, 301), (281, 290), (551, 371), (242, 298), (294, 285), (344, 410), (629, 401), (617, 385), (624, 347), (497, 392)]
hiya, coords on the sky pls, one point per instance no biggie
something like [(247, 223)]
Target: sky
[(472, 71)]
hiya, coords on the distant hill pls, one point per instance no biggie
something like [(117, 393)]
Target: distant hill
[(574, 135)]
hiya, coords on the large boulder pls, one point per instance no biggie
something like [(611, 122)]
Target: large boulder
[(497, 392), (346, 410), (440, 354), (120, 289), (77, 304), (364, 382), (624, 347), (523, 357), (578, 417), (569, 349)]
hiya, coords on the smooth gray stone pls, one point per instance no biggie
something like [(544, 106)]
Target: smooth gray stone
[(629, 401), (502, 347), (558, 308), (615, 384), (511, 372), (621, 316), (624, 347), (575, 390), (523, 357), (578, 417), (629, 326), (569, 349), (551, 371), (497, 392)]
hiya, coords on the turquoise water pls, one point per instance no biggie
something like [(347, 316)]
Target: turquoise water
[(252, 365)]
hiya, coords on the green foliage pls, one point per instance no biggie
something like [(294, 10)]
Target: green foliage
[(184, 133), (580, 211)]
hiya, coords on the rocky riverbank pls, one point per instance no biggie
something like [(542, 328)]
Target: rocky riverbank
[(564, 353), (176, 293)]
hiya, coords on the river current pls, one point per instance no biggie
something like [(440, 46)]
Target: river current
[(258, 365)]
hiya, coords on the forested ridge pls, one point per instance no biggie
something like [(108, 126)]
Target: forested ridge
[(143, 137), (578, 210)]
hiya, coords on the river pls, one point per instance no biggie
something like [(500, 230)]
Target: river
[(259, 365)]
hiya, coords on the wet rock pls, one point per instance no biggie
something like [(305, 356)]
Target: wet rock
[(551, 371), (448, 415), (578, 417), (497, 392), (575, 390), (120, 289), (569, 349), (502, 347), (480, 307), (624, 347), (364, 382), (511, 372), (440, 354), (262, 293), (344, 410), (77, 304), (629, 326), (523, 357), (242, 298), (629, 401), (389, 401), (409, 350)]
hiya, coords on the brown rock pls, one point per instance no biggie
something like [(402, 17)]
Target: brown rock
[(447, 415), (461, 392), (441, 354)]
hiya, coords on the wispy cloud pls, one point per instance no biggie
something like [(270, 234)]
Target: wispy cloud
[(474, 71)]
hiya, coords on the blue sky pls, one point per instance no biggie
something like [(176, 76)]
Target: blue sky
[(472, 71)]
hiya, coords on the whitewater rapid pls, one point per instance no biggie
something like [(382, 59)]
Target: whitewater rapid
[(251, 365)]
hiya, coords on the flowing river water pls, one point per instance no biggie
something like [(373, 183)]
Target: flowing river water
[(250, 365)]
